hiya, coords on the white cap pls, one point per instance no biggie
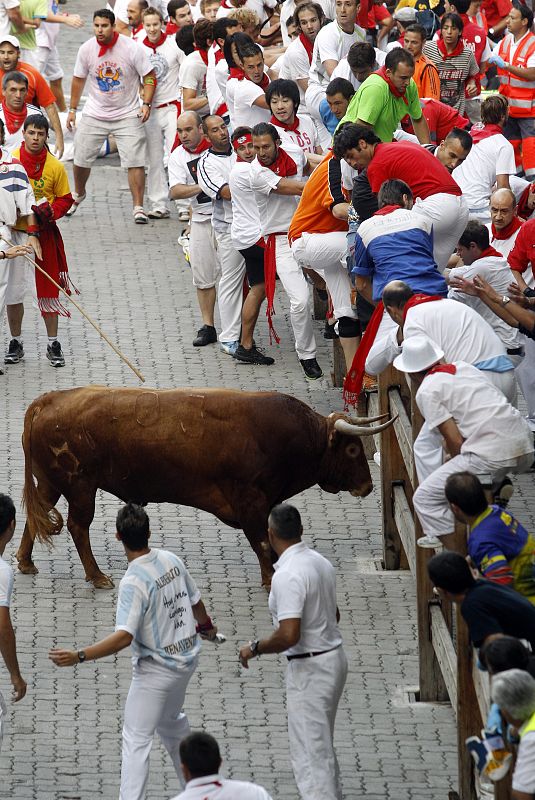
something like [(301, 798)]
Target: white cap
[(405, 15), (12, 40), (418, 354)]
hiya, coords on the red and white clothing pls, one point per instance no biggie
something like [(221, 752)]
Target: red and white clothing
[(343, 70), (296, 63), (193, 76), (287, 10), (244, 110), (214, 94), (114, 78), (503, 241), (495, 11), (258, 6), (219, 788), (245, 230), (14, 124), (520, 259), (303, 134)]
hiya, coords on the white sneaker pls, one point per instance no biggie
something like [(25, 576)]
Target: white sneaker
[(430, 542)]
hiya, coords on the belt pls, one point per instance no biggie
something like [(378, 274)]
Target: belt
[(171, 103), (515, 351), (294, 239), (311, 655)]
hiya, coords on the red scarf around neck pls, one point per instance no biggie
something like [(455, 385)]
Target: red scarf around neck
[(218, 55), (451, 369), (395, 91), (236, 72), (203, 54), (307, 44), (153, 46), (33, 163), (105, 47), (171, 29), (137, 29), (14, 119), (264, 83), (418, 300), (444, 53), (385, 210), (203, 145), (285, 127), (490, 252), (479, 132), (508, 231)]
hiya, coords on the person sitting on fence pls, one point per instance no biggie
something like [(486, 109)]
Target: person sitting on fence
[(482, 432), (500, 547), (514, 692), (498, 655), (489, 610)]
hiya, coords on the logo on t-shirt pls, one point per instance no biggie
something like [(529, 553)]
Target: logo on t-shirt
[(109, 77), (160, 65)]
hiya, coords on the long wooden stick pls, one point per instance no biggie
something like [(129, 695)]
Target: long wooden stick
[(82, 311)]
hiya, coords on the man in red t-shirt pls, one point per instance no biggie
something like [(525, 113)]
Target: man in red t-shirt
[(441, 119), (521, 257), (436, 194), (474, 38), (496, 12)]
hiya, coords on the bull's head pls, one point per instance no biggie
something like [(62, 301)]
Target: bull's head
[(346, 465)]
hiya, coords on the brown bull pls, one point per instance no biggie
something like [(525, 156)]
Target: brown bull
[(234, 454)]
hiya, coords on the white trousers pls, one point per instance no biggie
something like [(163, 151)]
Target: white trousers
[(203, 258), (313, 690), (154, 704), (160, 130), (429, 499), (325, 252), (294, 284), (385, 347), (230, 294), (449, 215), (17, 277), (525, 374)]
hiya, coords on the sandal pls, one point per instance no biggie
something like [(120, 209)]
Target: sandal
[(78, 198), (140, 218)]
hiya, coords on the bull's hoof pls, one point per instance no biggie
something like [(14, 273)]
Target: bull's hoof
[(27, 567), (101, 581)]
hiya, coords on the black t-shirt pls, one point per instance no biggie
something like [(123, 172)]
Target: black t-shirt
[(490, 608)]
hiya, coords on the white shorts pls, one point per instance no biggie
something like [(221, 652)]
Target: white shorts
[(49, 63), (90, 134), (21, 274), (203, 257)]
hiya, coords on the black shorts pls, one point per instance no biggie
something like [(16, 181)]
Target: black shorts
[(254, 264)]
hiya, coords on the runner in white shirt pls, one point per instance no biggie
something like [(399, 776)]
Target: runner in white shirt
[(332, 44), (192, 76), (277, 179), (283, 100), (482, 432), (490, 161), (504, 222), (361, 60), (165, 58), (203, 258), (258, 6), (201, 761), (289, 7), (160, 614), (229, 71), (250, 105), (115, 65), (214, 92), (120, 9), (309, 18)]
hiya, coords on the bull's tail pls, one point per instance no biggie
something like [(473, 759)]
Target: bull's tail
[(43, 522)]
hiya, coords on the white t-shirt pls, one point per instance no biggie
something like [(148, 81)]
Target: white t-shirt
[(154, 605), (193, 76), (288, 9), (495, 271), (304, 587), (503, 246), (306, 137), (165, 61), (113, 88), (216, 787), (6, 583), (182, 168), (276, 210), (343, 70), (245, 229), (295, 65), (490, 426), (258, 6), (477, 174), (244, 111), (213, 173), (213, 92), (221, 77), (120, 9), (5, 23), (331, 44)]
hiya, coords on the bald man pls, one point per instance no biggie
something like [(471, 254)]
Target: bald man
[(134, 12), (505, 223)]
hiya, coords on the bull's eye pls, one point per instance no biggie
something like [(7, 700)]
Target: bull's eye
[(352, 450)]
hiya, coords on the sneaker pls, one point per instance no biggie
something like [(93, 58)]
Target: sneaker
[(329, 331), (183, 216), (15, 352), (183, 241), (252, 356), (311, 368), (503, 493), (205, 335), (140, 218), (229, 347), (159, 214), (54, 353), (78, 198), (429, 542)]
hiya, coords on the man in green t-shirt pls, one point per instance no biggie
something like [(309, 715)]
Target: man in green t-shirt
[(33, 13), (387, 96)]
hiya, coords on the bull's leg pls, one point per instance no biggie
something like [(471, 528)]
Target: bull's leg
[(50, 497), (257, 537), (81, 513)]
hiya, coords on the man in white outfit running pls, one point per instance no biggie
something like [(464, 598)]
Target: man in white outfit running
[(160, 613)]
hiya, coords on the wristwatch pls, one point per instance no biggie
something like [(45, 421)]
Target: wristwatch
[(81, 656), (505, 300), (148, 104), (254, 648)]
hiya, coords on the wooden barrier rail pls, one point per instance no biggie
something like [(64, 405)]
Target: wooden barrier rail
[(447, 661)]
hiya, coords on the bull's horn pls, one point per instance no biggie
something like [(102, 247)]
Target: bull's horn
[(343, 426), (364, 420)]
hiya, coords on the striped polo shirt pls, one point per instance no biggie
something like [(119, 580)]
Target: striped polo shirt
[(454, 71)]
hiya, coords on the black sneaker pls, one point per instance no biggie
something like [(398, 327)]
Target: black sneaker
[(55, 355), (311, 368), (329, 331), (252, 356), (15, 352), (205, 335)]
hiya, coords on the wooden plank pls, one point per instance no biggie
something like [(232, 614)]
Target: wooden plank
[(392, 468), (320, 305), (403, 429), (445, 652), (481, 687), (339, 365), (405, 525)]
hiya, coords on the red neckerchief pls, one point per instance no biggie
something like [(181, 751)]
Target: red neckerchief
[(203, 54), (171, 28), (395, 91), (264, 83), (218, 54), (451, 369), (283, 165), (386, 210), (14, 119), (444, 53), (417, 300), (307, 44), (479, 132), (236, 72), (285, 127), (161, 40), (137, 29), (33, 163), (105, 47), (203, 145), (490, 252), (508, 231)]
